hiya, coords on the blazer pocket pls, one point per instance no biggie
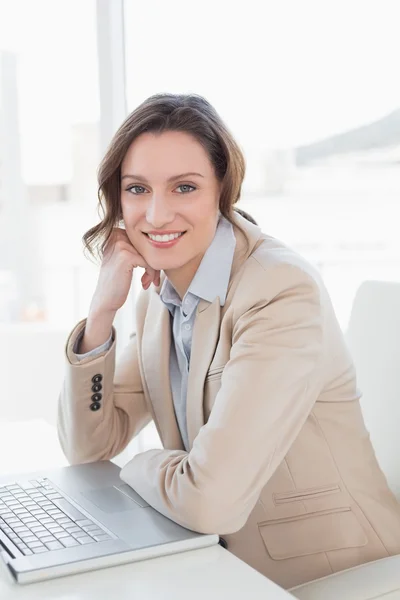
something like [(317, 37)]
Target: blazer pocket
[(312, 533), (310, 494)]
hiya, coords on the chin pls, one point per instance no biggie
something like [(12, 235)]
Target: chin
[(166, 265)]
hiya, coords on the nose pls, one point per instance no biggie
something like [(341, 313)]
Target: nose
[(159, 212)]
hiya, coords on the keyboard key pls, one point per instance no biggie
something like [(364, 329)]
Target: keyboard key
[(54, 546), (21, 529), (92, 528), (6, 529), (29, 539), (65, 521), (33, 545), (47, 521), (84, 522), (102, 538), (26, 551), (48, 538), (78, 534), (69, 542), (40, 549), (26, 486), (72, 528), (41, 535), (56, 529), (86, 540), (20, 544), (61, 535)]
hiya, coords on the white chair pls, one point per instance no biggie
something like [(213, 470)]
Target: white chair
[(373, 337)]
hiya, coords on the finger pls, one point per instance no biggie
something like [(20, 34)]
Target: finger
[(146, 280)]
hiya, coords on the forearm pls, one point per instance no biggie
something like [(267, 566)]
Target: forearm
[(97, 331), (99, 428)]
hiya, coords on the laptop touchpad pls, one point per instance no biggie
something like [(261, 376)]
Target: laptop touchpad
[(116, 499)]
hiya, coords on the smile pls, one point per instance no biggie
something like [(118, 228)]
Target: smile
[(166, 240)]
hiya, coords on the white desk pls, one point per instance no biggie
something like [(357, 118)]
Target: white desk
[(207, 574)]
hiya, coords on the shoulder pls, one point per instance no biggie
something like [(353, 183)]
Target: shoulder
[(274, 269)]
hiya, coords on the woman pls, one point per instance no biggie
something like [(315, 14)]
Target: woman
[(238, 358)]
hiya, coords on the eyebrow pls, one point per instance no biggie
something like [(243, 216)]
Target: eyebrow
[(173, 178)]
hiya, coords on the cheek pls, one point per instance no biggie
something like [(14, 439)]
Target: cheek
[(131, 212)]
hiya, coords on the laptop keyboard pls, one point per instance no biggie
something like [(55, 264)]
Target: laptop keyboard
[(37, 518)]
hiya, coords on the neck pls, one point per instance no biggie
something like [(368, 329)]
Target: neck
[(182, 278)]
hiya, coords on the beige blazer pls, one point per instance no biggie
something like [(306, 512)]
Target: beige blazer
[(280, 462)]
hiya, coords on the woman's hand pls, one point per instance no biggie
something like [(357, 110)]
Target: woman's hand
[(119, 260)]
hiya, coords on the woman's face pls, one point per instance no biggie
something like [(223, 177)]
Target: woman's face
[(169, 189)]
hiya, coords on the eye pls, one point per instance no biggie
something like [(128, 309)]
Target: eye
[(136, 187), (186, 191)]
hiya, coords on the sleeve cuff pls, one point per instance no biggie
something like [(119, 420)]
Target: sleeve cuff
[(95, 352)]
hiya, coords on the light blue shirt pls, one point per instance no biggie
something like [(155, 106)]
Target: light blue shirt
[(210, 281)]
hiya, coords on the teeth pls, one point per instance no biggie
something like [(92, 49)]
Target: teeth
[(164, 238)]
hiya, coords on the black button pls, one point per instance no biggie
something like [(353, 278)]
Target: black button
[(223, 543), (96, 387), (96, 397), (95, 406), (97, 378)]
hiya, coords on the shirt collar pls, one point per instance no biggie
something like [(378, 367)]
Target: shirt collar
[(212, 277)]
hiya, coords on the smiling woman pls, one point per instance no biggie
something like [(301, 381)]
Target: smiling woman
[(238, 358)]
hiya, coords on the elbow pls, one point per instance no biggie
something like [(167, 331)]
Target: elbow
[(77, 453), (218, 516)]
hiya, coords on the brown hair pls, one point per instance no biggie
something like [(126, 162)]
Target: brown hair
[(190, 113)]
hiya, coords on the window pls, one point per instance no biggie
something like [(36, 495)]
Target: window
[(49, 152), (310, 92)]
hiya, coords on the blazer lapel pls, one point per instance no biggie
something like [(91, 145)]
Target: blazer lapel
[(204, 341), (155, 355)]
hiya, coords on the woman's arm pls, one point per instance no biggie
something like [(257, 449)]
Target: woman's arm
[(268, 389), (86, 435)]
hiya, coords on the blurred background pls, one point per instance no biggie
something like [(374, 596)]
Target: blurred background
[(310, 89)]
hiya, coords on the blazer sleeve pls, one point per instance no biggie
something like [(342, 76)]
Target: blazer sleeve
[(86, 435), (268, 389)]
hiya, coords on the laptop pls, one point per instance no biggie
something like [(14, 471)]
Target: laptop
[(81, 518)]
